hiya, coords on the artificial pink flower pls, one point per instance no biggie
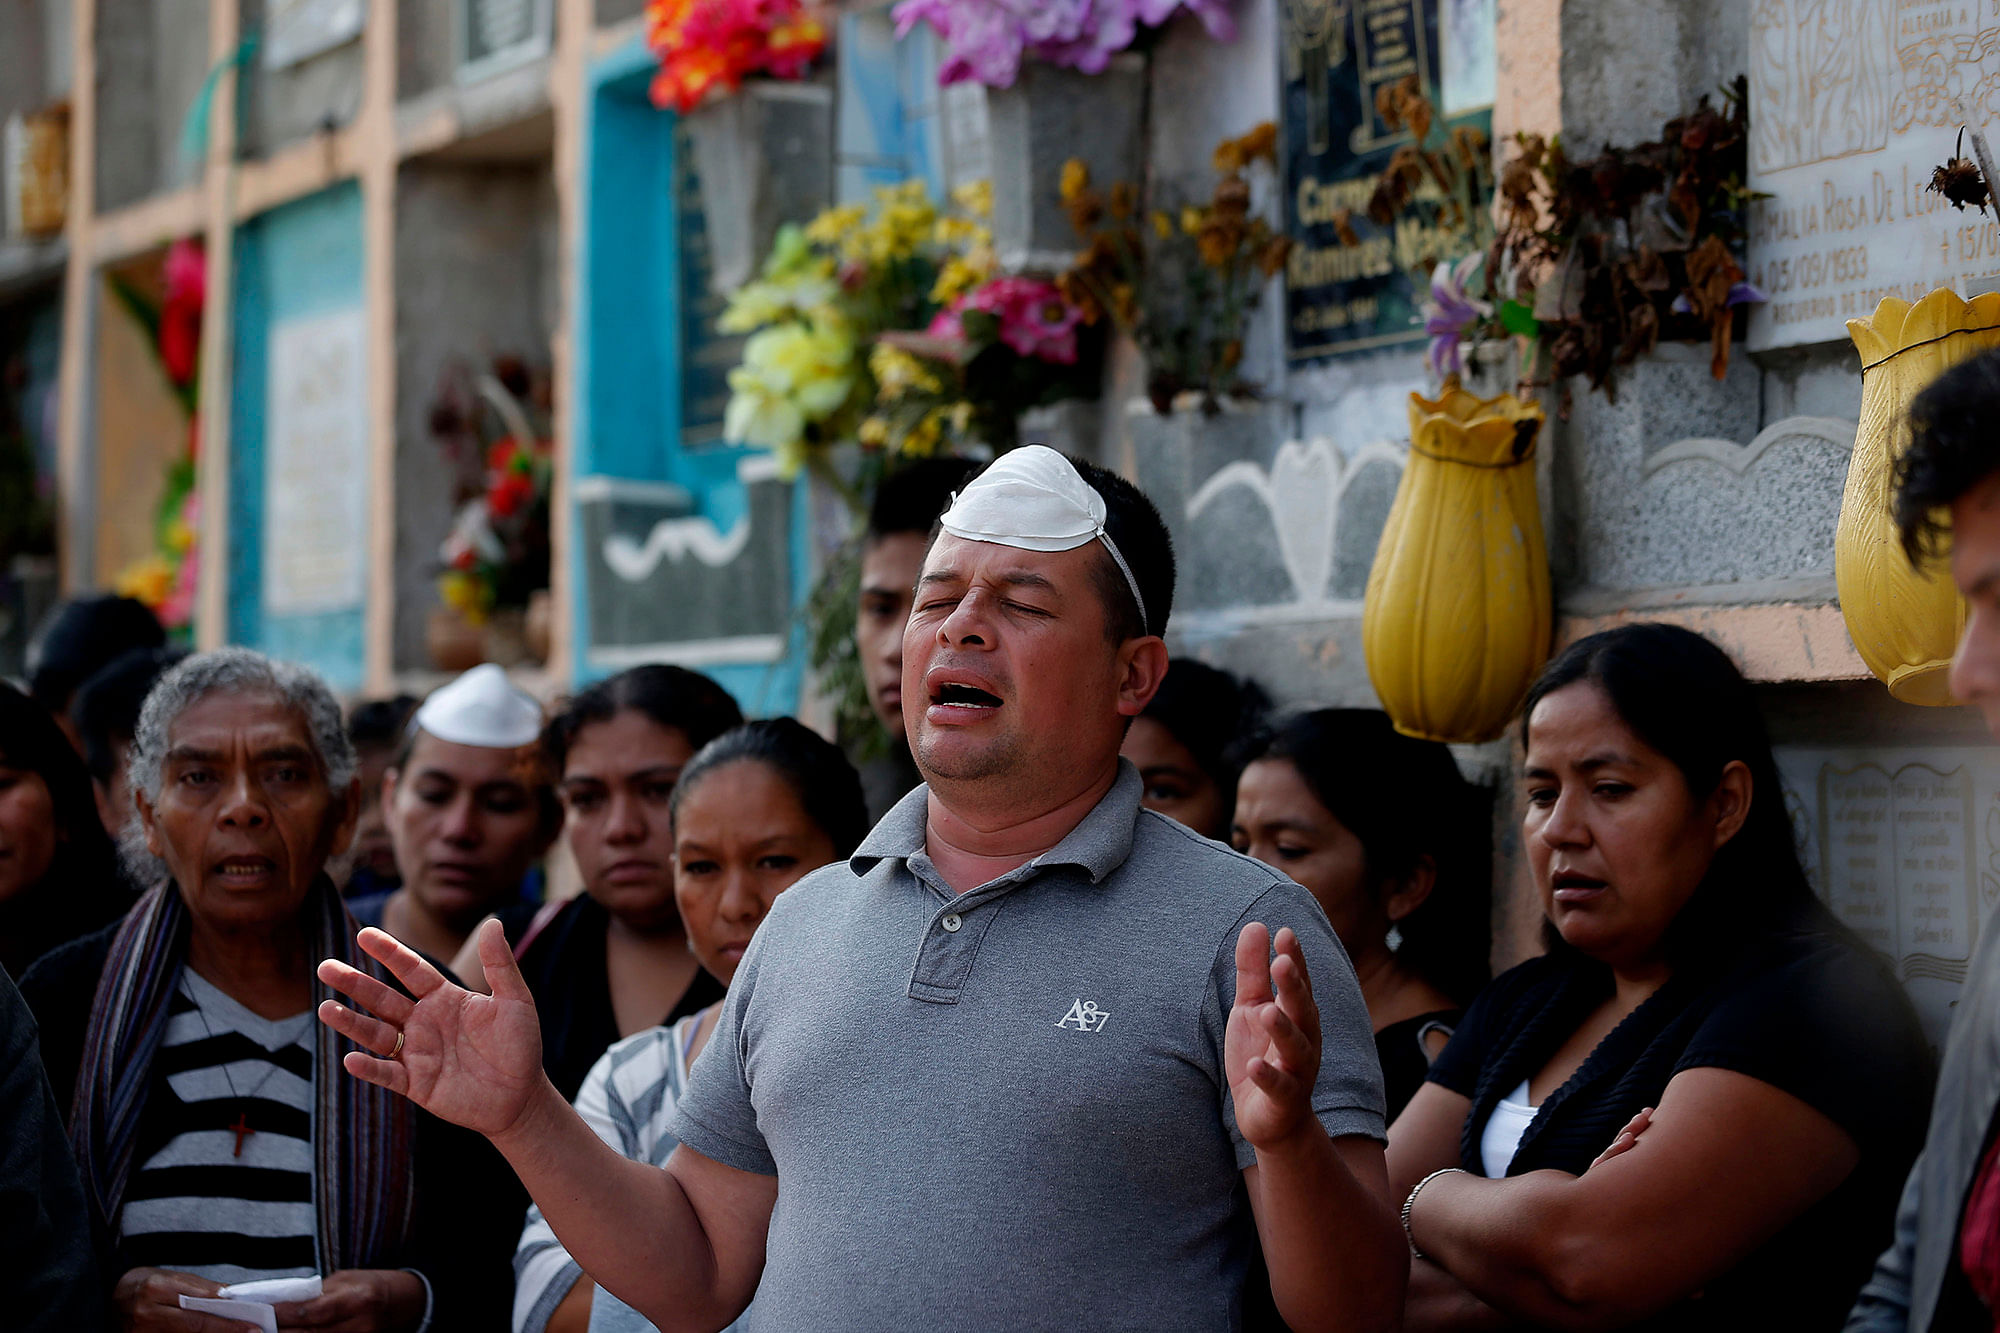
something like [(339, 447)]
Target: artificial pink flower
[(1034, 318)]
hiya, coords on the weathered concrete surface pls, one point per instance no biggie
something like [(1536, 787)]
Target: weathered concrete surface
[(476, 276)]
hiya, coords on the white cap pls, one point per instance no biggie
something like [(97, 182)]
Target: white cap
[(482, 708), (1034, 499)]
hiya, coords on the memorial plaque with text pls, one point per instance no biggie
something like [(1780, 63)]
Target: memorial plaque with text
[(1852, 105), (1904, 845), (1337, 54)]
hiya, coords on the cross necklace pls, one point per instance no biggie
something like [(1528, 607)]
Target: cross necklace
[(241, 1128)]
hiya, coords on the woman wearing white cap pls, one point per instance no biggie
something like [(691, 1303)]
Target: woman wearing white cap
[(469, 809)]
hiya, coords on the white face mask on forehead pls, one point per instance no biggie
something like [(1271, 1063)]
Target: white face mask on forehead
[(1034, 499)]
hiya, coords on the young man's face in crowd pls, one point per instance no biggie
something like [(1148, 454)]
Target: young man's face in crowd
[(889, 568), (1975, 567)]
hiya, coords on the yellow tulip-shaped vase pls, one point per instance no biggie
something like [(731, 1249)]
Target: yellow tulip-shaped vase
[(1457, 617), (1904, 621)]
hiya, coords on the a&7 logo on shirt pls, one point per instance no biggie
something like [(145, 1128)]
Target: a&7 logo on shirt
[(1084, 1016)]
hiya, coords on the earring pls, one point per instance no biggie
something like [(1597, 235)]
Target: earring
[(1394, 939)]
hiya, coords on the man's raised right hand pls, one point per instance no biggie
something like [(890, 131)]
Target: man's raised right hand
[(475, 1060)]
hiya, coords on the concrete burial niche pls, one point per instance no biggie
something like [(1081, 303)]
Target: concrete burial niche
[(152, 56), (477, 277), (291, 95)]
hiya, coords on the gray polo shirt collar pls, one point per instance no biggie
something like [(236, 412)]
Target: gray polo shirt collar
[(958, 922), (1097, 846)]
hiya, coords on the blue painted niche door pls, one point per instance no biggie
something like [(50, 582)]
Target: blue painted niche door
[(298, 461), (688, 550)]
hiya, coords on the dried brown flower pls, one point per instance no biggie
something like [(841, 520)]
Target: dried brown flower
[(1647, 271), (1124, 200), (1271, 256), (1261, 141), (1086, 210), (1441, 172), (1343, 226), (1232, 196), (1470, 144), (1959, 181)]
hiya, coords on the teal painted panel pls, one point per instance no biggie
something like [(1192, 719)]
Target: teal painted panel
[(296, 262), (640, 308)]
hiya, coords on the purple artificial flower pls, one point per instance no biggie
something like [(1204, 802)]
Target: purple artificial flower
[(1742, 293), (985, 39), (1450, 313)]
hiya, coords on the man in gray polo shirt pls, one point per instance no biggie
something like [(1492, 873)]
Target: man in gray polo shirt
[(1026, 1061)]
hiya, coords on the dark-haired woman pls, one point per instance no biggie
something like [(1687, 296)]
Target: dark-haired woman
[(1185, 744), (59, 875), (756, 810), (1390, 839), (614, 960), (1695, 994)]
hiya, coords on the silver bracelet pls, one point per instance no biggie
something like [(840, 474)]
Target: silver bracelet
[(1411, 1202)]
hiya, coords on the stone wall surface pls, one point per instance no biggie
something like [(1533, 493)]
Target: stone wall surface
[(284, 106), (152, 57)]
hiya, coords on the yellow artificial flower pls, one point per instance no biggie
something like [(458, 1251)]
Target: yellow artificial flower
[(769, 301), (1191, 219), (954, 278), (1163, 226), (1075, 180), (466, 594), (792, 376), (974, 197), (833, 226), (897, 373), (961, 233), (180, 537), (923, 440), (873, 432), (147, 580)]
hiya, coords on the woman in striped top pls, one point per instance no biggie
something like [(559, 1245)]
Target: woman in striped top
[(217, 1137), (753, 812)]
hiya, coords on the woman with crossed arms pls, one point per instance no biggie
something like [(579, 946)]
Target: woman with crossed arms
[(1695, 1111)]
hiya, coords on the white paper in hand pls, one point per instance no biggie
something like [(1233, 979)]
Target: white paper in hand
[(255, 1303)]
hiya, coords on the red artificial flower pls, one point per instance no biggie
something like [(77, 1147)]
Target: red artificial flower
[(708, 46), (180, 340), (508, 493)]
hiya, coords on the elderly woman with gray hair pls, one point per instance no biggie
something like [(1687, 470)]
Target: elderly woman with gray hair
[(217, 1140)]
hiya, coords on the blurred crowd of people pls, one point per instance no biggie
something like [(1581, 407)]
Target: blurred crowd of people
[(966, 1036)]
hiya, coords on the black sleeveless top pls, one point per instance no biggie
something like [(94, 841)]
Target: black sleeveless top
[(1406, 1062)]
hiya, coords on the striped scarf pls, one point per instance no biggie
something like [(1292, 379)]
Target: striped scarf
[(362, 1134)]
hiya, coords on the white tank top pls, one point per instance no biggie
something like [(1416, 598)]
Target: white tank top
[(1510, 1120)]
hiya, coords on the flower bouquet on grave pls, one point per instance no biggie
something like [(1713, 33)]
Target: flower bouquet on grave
[(827, 290), (1183, 282), (708, 47), (1595, 261), (493, 426), (167, 579), (985, 40)]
